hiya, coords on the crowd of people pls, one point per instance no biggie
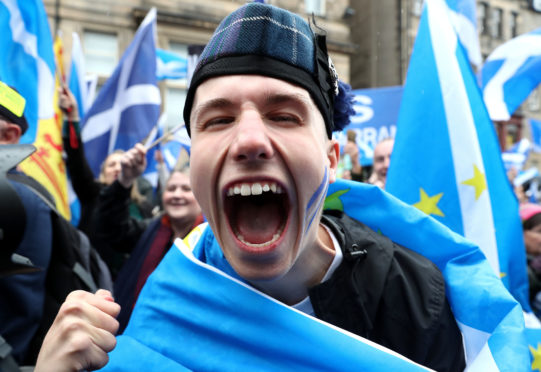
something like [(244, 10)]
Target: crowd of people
[(261, 161)]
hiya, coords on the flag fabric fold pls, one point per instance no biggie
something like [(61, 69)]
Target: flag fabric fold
[(128, 105), (446, 162), (228, 325), (77, 83), (446, 157), (464, 19), (511, 73), (170, 65), (196, 298), (535, 130), (27, 59), (516, 155), (27, 62)]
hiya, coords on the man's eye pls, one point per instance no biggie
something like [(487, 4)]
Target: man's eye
[(218, 121), (285, 118)]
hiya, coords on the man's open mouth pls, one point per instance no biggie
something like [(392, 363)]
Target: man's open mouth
[(257, 212)]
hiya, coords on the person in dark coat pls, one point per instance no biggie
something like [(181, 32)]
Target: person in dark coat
[(147, 241)]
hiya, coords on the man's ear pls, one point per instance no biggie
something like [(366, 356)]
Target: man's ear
[(333, 154), (11, 134)]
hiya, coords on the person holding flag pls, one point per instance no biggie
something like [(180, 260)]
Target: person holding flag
[(88, 189)]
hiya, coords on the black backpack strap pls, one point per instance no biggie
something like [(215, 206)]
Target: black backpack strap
[(36, 187), (79, 269), (12, 224), (7, 362), (82, 272)]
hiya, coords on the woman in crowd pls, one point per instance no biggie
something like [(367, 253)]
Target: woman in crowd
[(147, 241)]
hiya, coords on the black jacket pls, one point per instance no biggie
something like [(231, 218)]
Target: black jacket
[(389, 295)]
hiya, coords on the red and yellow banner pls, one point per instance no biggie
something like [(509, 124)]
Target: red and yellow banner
[(46, 164)]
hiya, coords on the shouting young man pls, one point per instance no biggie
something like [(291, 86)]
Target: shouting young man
[(261, 108)]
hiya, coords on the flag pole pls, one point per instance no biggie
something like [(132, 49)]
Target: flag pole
[(166, 135)]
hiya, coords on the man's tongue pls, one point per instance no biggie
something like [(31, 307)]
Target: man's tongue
[(257, 223)]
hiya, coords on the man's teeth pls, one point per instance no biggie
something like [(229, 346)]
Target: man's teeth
[(255, 188), (260, 245)]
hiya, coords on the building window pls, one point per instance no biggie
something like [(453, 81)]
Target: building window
[(179, 48), (482, 15), (514, 24), (174, 105), (496, 18), (101, 52), (315, 6), (417, 7)]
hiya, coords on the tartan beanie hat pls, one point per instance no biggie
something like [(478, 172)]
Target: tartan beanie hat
[(261, 39)]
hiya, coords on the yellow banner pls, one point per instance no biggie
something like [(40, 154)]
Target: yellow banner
[(46, 164)]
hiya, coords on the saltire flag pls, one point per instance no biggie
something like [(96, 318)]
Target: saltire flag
[(464, 19), (535, 130), (446, 158), (27, 59), (526, 176), (170, 149), (511, 73), (27, 62), (201, 305), (151, 170), (170, 65), (128, 105), (516, 155), (78, 82)]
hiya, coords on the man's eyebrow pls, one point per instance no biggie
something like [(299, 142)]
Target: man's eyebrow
[(216, 103), (280, 98)]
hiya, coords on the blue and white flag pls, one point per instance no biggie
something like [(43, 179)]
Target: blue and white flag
[(128, 105), (78, 83), (195, 297), (227, 325), (446, 158), (535, 130), (170, 65), (511, 73), (464, 20), (172, 148), (516, 155), (27, 59)]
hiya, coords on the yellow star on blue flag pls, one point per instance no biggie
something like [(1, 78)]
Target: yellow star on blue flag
[(429, 204), (478, 181), (536, 357)]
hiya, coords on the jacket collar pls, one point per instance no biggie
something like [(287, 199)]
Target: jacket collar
[(350, 298)]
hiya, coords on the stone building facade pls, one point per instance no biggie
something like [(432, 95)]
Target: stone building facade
[(106, 27), (370, 41), (385, 30)]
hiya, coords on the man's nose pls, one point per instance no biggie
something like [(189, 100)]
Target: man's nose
[(251, 139)]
